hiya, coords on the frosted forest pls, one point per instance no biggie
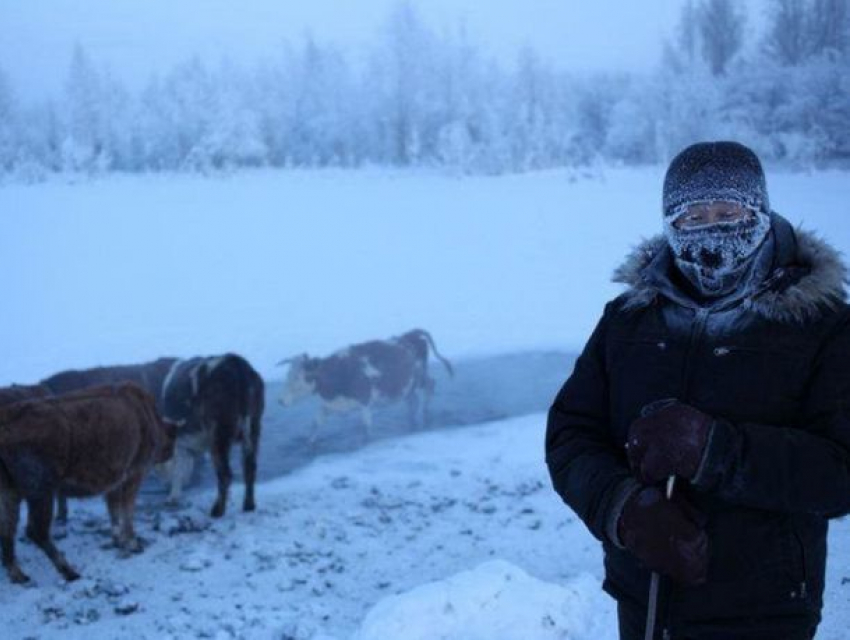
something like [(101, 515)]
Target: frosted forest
[(418, 96)]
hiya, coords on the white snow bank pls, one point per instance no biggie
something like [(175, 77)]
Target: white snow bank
[(494, 600)]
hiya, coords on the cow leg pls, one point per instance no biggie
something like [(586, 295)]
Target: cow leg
[(61, 509), (250, 442), (366, 418), (127, 539), (428, 385), (181, 465), (40, 518), (121, 503), (113, 500), (318, 421), (413, 408), (10, 507), (221, 462)]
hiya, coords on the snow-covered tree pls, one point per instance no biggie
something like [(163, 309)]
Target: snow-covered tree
[(829, 26), (84, 146), (721, 32), (8, 138), (787, 37), (322, 107), (400, 84)]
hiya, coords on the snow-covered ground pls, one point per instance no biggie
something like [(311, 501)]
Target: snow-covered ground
[(452, 534), (274, 263), (330, 541)]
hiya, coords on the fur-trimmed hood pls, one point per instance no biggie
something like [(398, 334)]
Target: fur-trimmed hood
[(808, 276)]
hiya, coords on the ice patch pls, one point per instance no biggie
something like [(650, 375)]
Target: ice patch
[(494, 600)]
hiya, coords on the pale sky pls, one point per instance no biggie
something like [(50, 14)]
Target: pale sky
[(137, 37)]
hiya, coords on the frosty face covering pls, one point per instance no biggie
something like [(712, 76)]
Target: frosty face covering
[(715, 257), (714, 252)]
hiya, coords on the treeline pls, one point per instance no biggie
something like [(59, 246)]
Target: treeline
[(422, 98)]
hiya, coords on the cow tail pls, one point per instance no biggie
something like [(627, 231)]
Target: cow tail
[(437, 354)]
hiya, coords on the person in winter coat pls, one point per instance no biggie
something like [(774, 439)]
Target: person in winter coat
[(726, 366)]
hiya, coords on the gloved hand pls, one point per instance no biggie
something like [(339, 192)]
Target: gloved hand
[(666, 535), (668, 441)]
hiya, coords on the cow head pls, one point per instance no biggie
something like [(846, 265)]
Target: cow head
[(299, 382)]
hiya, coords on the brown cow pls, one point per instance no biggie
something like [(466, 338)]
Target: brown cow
[(17, 393), (149, 376), (98, 441)]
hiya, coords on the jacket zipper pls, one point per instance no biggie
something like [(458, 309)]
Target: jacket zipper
[(687, 373), (699, 326)]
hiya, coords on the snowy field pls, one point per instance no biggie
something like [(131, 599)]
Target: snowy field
[(430, 533), (386, 543), (329, 542)]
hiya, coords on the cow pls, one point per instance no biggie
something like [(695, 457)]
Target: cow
[(149, 376), (96, 441), (217, 400), (18, 392), (365, 375)]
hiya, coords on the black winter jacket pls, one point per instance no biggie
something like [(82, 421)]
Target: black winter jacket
[(774, 369)]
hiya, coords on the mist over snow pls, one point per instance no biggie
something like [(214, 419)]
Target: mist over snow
[(275, 263)]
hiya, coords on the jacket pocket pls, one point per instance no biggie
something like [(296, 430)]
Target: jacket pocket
[(753, 383)]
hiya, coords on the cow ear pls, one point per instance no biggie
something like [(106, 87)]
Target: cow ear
[(299, 358)]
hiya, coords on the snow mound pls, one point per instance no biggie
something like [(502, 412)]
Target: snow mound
[(495, 601)]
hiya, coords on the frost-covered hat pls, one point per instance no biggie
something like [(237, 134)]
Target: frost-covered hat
[(711, 171)]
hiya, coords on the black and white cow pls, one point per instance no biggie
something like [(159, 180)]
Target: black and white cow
[(217, 401), (365, 375)]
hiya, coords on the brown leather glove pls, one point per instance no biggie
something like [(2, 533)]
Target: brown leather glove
[(668, 441), (666, 535)]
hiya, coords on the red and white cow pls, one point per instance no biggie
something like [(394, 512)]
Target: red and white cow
[(365, 375)]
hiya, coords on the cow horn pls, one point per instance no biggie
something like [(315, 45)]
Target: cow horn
[(290, 360)]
